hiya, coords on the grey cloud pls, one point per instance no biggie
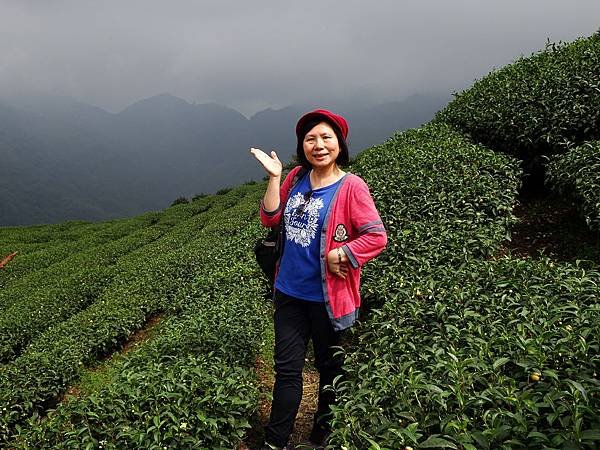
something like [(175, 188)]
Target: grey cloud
[(251, 55)]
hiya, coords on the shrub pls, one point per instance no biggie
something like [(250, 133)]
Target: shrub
[(441, 197), (179, 201), (223, 191), (190, 387), (492, 354), (197, 372), (536, 106), (451, 352)]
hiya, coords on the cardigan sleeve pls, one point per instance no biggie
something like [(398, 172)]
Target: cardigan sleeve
[(273, 218), (371, 237)]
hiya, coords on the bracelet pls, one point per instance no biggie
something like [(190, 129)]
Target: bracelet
[(339, 255)]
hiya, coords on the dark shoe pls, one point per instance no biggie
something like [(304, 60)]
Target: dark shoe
[(318, 436)]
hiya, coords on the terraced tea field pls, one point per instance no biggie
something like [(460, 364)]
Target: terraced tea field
[(462, 344)]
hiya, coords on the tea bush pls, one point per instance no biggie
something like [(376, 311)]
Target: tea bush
[(190, 387), (442, 198), (28, 240), (146, 282), (52, 295), (444, 358), (36, 234), (576, 175), (66, 244), (49, 296), (537, 105), (452, 360)]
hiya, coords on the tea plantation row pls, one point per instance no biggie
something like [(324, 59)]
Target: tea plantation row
[(540, 108), (47, 239), (48, 296), (68, 241), (191, 386), (51, 295), (491, 354), (146, 284)]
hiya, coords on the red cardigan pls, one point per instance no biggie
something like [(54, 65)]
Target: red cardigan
[(352, 223)]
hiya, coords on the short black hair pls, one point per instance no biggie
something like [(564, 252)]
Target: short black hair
[(343, 158)]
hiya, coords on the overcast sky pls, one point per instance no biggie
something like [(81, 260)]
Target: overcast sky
[(256, 54)]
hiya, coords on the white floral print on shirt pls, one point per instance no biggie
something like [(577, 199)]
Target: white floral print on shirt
[(302, 228)]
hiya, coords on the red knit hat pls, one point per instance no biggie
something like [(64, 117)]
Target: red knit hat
[(327, 116)]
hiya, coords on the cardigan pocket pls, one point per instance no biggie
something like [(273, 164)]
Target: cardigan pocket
[(341, 296)]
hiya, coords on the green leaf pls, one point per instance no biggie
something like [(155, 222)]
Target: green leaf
[(579, 387), (500, 362), (437, 442), (374, 445), (590, 435)]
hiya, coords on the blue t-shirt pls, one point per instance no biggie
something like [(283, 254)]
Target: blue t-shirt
[(300, 266)]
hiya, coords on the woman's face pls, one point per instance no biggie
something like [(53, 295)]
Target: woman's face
[(321, 146)]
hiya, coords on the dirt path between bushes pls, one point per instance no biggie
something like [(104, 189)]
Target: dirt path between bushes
[(136, 339), (552, 227), (7, 259)]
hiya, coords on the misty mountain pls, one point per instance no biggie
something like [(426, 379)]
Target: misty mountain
[(65, 160)]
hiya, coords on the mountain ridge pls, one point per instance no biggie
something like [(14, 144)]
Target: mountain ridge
[(68, 160)]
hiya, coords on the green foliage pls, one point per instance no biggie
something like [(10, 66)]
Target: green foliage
[(460, 348), (576, 175), (58, 291), (223, 191), (53, 294), (179, 201), (189, 387), (442, 198), (148, 282), (451, 355), (47, 233), (537, 105), (42, 246), (445, 357)]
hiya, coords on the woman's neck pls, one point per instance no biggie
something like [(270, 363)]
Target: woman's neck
[(324, 176)]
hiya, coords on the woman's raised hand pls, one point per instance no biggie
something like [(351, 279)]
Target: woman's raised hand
[(271, 163)]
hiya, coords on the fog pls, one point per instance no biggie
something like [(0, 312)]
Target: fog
[(254, 55)]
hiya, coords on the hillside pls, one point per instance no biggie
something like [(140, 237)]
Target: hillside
[(463, 343)]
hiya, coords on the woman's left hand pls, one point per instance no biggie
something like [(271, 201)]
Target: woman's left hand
[(337, 262)]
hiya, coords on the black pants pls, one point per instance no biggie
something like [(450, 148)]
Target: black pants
[(297, 321)]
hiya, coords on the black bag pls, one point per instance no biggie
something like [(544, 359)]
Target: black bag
[(267, 251)]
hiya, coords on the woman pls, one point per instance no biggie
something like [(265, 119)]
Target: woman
[(331, 228)]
